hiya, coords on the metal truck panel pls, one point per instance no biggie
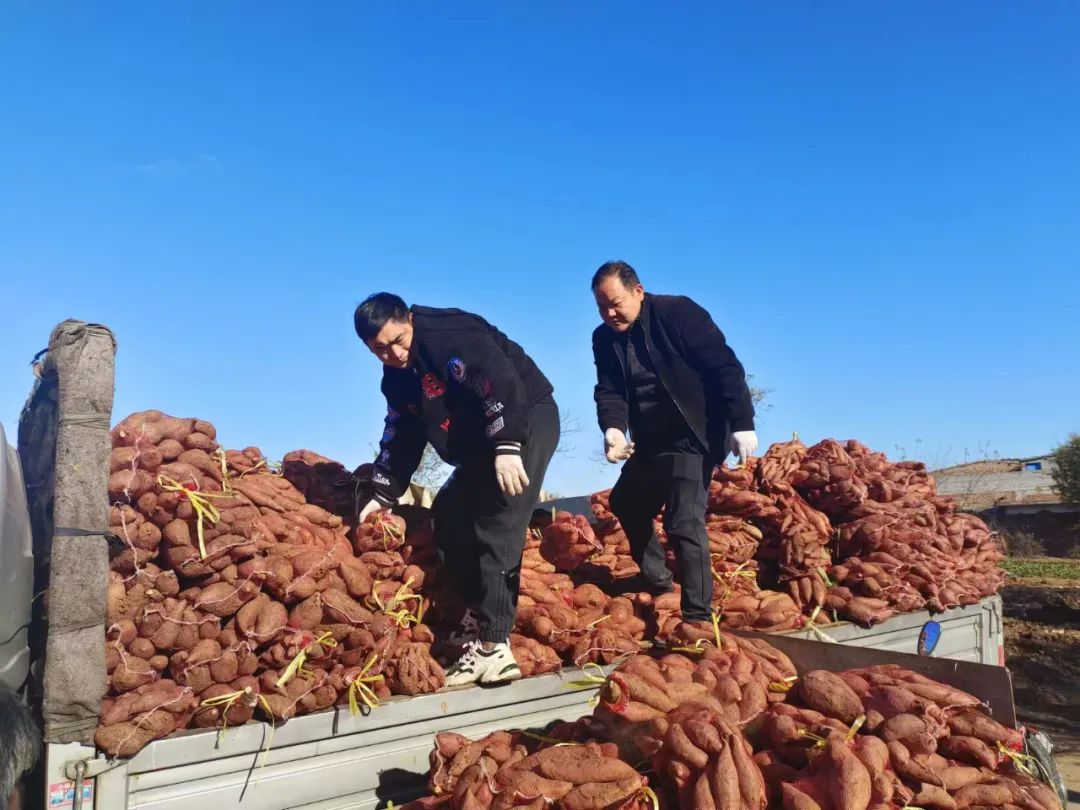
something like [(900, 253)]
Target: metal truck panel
[(16, 570), (330, 754), (972, 633)]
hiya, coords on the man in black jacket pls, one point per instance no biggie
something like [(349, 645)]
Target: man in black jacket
[(666, 375), (453, 380)]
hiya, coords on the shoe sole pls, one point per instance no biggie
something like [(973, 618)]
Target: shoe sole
[(512, 676)]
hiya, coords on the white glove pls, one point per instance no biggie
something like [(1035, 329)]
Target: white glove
[(370, 508), (616, 447), (743, 444), (510, 473)]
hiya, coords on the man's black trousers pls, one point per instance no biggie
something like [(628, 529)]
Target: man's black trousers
[(480, 531), (679, 482)]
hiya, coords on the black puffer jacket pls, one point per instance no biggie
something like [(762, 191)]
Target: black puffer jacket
[(694, 363), (468, 393)]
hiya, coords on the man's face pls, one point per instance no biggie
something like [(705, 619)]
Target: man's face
[(619, 305), (393, 343)]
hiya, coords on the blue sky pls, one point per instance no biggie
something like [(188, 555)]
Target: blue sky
[(877, 202)]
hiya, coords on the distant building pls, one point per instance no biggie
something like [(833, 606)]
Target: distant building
[(1014, 494), (1015, 485)]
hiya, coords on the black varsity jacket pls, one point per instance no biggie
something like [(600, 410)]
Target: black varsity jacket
[(468, 393), (694, 363)]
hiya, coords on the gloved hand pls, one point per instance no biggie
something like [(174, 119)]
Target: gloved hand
[(743, 444), (370, 508), (616, 447), (510, 473)]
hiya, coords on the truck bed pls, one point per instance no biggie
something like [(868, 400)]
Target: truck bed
[(333, 761)]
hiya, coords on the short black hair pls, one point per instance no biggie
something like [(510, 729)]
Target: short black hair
[(372, 315), (620, 270)]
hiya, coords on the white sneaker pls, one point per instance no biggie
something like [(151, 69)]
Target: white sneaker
[(478, 665), (468, 630)]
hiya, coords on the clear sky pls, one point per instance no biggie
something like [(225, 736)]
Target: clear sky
[(878, 202)]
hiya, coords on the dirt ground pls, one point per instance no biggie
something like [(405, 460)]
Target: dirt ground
[(1042, 650)]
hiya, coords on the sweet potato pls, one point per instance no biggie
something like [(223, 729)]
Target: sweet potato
[(911, 730), (342, 608), (224, 599), (972, 723), (827, 693), (989, 794), (968, 749)]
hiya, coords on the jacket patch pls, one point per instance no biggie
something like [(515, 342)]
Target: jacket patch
[(391, 416), (482, 386), (389, 433), (380, 480), (384, 457), (432, 386), (491, 407), (445, 426), (456, 369), (495, 427)]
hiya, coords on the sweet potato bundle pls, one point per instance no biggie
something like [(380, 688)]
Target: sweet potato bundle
[(580, 625), (885, 735), (735, 681), (732, 539), (508, 770), (569, 542), (454, 754), (827, 478), (322, 481), (708, 762), (148, 712)]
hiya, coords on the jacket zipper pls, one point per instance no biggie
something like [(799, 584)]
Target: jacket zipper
[(670, 393)]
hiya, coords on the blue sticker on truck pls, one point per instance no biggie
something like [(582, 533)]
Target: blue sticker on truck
[(929, 637)]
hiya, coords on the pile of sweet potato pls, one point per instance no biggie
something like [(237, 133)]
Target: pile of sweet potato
[(511, 770), (231, 596), (734, 726), (886, 736), (841, 530)]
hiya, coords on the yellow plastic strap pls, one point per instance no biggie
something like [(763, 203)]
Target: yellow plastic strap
[(716, 629), (391, 530), (269, 740), (812, 626), (825, 577), (696, 648), (200, 502), (589, 681), (855, 728), (649, 794), (603, 618), (260, 463), (297, 664), (1020, 761), (783, 685), (226, 700), (819, 742), (359, 687), (226, 479)]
